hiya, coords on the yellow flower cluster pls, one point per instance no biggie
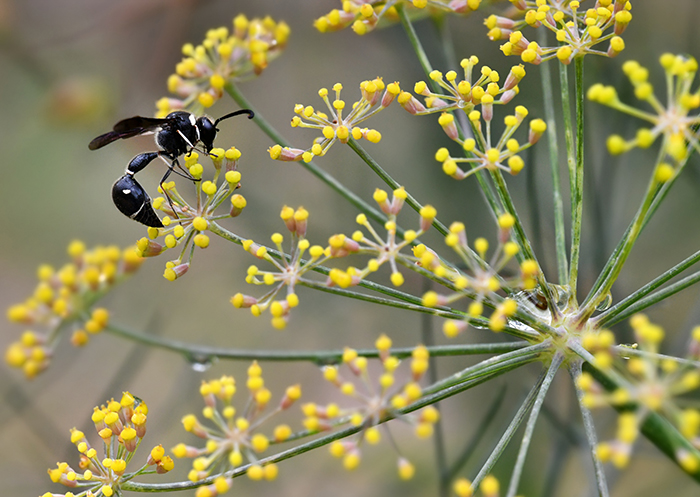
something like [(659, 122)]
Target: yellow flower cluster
[(335, 126), (483, 285), (377, 402), (185, 226), (289, 272), (676, 121), (65, 297), (224, 56), (576, 32), (121, 425), (384, 250), (649, 383), (364, 16), (233, 437)]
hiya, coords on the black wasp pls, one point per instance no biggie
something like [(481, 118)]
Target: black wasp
[(177, 134)]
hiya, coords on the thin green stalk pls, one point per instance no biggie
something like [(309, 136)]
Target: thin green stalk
[(392, 183), (659, 197), (190, 350), (428, 340), (602, 319), (417, 46), (577, 182), (589, 427), (550, 116), (650, 300), (589, 308), (557, 361), (510, 431), (524, 242), (627, 352), (492, 364), (327, 178), (479, 433), (569, 141)]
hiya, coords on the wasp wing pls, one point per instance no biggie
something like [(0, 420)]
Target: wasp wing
[(126, 128)]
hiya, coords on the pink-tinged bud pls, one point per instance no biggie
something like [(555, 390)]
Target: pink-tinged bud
[(447, 121), (149, 248), (286, 154), (537, 128), (129, 439), (622, 20), (173, 273), (496, 34), (397, 204), (238, 203), (410, 103), (519, 4), (550, 20), (515, 76), (301, 219), (460, 6), (292, 394), (507, 96), (389, 96), (164, 465), (243, 301)]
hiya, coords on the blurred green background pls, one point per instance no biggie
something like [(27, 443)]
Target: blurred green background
[(69, 69)]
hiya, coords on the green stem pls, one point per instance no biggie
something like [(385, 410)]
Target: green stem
[(557, 361), (524, 243), (577, 182), (589, 428), (479, 433), (325, 177), (652, 299), (601, 294), (559, 227), (660, 196), (510, 431), (392, 183), (603, 319), (417, 46), (194, 351)]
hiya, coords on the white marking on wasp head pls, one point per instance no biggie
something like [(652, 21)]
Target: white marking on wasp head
[(193, 120), (127, 191)]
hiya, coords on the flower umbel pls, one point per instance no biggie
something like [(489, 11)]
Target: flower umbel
[(484, 282), (674, 121), (365, 16), (465, 93), (651, 384), (224, 56), (121, 425), (335, 126), (289, 270), (233, 437), (384, 250), (64, 298), (185, 226), (377, 402), (576, 32)]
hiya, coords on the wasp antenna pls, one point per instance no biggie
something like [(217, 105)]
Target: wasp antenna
[(250, 113)]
